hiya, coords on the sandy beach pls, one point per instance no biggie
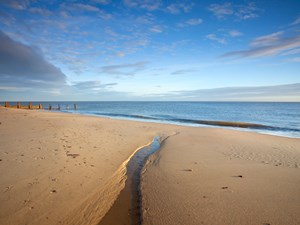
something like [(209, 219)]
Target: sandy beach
[(58, 168)]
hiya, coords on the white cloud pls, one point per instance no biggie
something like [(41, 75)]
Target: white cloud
[(214, 37), (43, 12), (148, 18), (194, 22), (221, 10), (103, 2), (86, 7), (149, 5), (292, 52), (156, 29), (191, 22), (235, 33), (120, 54), (177, 8), (17, 5), (245, 12), (242, 12), (71, 8), (296, 59), (296, 22)]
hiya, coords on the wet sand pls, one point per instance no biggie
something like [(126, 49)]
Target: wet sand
[(60, 168)]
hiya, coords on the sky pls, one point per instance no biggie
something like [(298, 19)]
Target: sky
[(151, 50)]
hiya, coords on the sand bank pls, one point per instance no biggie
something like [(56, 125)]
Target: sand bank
[(60, 168)]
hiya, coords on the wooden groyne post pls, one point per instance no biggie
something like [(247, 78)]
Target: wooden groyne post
[(18, 105)]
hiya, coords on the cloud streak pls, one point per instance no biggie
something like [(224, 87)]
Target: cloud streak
[(268, 45), (286, 92), (124, 69), (184, 71), (92, 85)]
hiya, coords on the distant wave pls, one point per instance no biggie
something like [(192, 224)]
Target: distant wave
[(201, 122)]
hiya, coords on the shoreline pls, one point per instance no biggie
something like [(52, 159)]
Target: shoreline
[(206, 124), (69, 168)]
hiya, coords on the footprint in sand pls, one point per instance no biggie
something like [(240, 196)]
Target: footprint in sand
[(8, 188), (53, 191), (73, 155), (238, 176)]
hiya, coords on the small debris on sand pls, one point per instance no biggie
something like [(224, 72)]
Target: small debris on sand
[(53, 191), (74, 155), (224, 187)]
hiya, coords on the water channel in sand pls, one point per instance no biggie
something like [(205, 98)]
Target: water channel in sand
[(126, 208)]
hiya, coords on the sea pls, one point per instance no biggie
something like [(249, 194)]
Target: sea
[(276, 118)]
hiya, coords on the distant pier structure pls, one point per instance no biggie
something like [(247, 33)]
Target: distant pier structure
[(31, 106)]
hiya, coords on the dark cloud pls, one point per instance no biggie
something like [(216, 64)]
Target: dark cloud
[(24, 65)]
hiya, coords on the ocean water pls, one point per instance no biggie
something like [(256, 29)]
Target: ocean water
[(281, 119)]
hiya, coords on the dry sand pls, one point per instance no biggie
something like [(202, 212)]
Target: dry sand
[(60, 168), (223, 177)]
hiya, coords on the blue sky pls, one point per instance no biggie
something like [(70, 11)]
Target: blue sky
[(150, 50)]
